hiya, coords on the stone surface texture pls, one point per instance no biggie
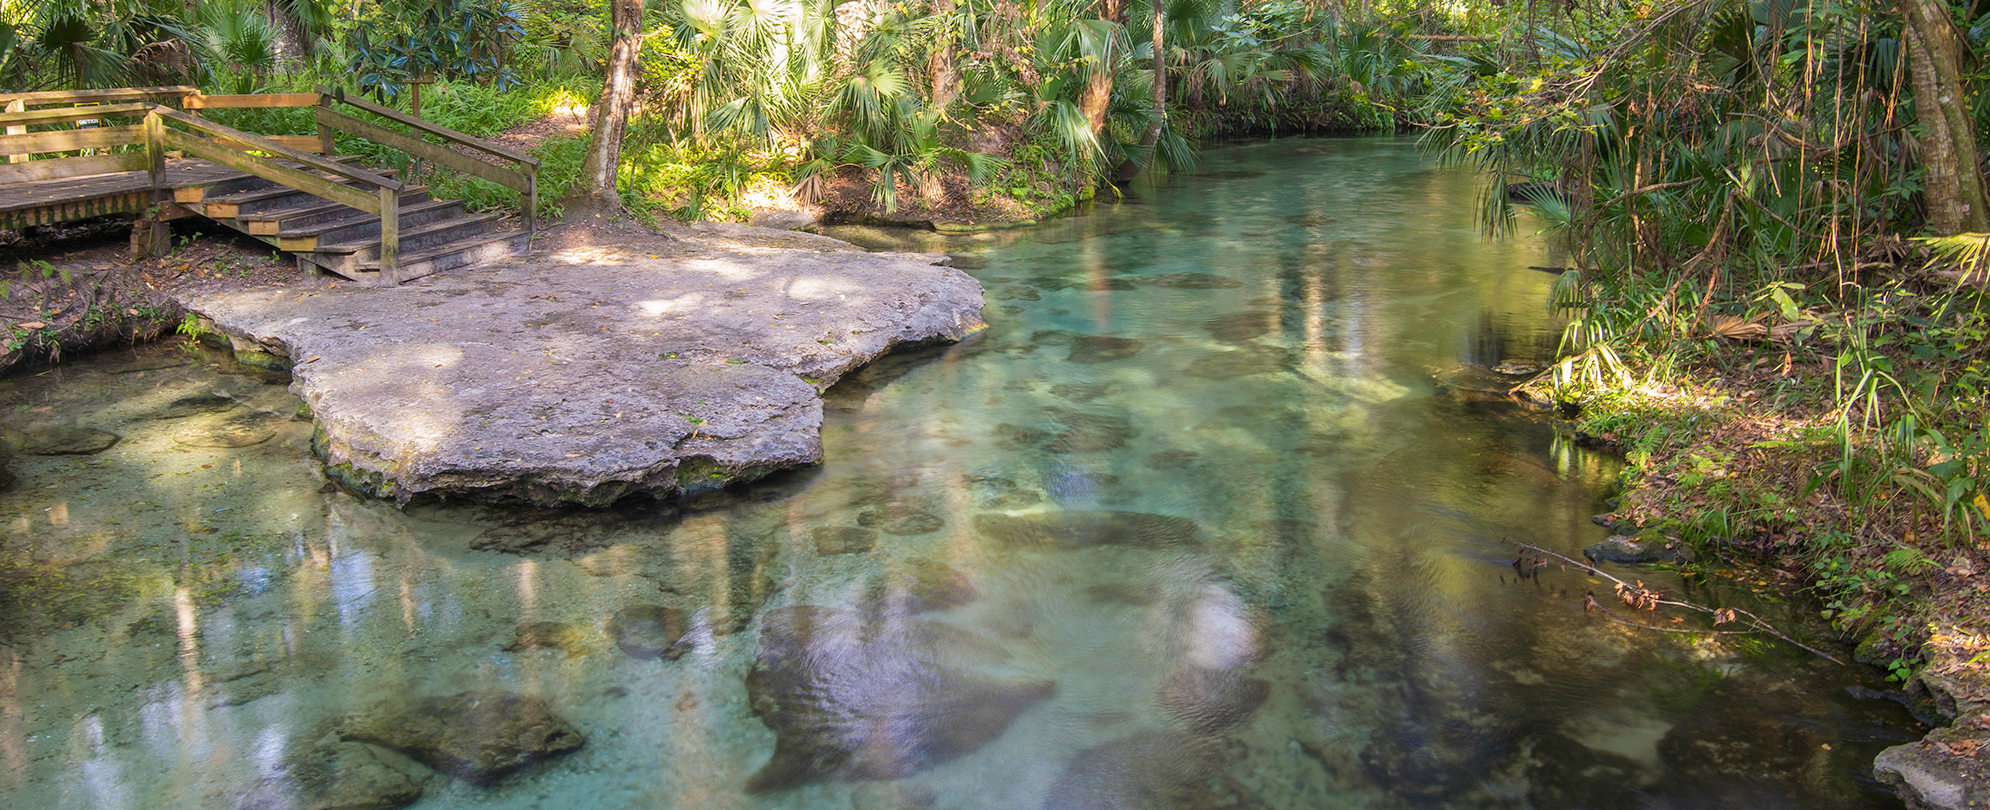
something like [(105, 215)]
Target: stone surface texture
[(581, 375), (1950, 768)]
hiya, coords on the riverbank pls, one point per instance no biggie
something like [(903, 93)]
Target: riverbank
[(1727, 461)]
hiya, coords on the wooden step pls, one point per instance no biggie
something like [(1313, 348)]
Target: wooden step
[(448, 256), (360, 251), (276, 222), (348, 224), (237, 184), (234, 206)]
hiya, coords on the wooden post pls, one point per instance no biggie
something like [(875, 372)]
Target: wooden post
[(531, 200), (390, 236), (327, 145), (157, 238), (17, 105)]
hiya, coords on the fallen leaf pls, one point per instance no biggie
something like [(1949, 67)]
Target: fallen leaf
[(31, 325)]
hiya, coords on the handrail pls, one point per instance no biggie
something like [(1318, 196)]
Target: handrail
[(262, 144), (241, 101), (338, 94), (101, 96), (524, 179), (232, 150), (62, 114)]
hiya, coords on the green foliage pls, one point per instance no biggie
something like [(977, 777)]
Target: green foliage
[(434, 39)]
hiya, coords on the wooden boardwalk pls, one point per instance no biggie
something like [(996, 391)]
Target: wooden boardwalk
[(88, 160), (47, 202)]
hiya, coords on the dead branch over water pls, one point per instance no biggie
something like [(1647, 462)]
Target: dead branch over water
[(1639, 597)]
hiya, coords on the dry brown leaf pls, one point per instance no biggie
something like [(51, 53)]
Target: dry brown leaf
[(1733, 328), (31, 325)]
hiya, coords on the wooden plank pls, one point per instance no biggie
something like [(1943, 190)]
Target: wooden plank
[(108, 96), (445, 133), (57, 115), (251, 101), (301, 143), (64, 140), (423, 149), (72, 167), (271, 170), (261, 144)]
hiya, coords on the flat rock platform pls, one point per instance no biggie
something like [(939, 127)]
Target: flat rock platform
[(582, 375)]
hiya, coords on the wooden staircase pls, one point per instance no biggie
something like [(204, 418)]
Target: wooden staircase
[(329, 237), (333, 214)]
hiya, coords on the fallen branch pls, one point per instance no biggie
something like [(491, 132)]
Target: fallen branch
[(1638, 596)]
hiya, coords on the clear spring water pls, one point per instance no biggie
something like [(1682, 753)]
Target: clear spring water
[(1211, 516)]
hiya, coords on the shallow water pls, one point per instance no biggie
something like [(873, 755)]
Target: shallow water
[(1211, 516)]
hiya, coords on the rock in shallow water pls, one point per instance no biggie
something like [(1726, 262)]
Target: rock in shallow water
[(194, 406), (1152, 770), (658, 370), (843, 539), (552, 635), (237, 431), (1240, 327), (340, 776), (648, 631), (863, 698), (1239, 363), (1099, 349), (480, 735), (70, 441), (1212, 700), (1086, 529), (1928, 777)]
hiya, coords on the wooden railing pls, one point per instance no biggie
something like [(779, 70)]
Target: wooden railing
[(285, 159), (524, 178), (257, 155)]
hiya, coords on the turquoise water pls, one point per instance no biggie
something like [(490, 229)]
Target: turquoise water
[(1213, 515)]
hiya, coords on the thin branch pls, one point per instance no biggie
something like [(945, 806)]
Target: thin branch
[(1756, 623)]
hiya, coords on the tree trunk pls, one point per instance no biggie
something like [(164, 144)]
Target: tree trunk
[(944, 64), (1150, 145), (1098, 84), (1947, 145), (611, 111)]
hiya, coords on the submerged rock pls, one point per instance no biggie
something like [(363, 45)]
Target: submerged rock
[(843, 539), (1080, 392), (866, 698), (1091, 433), (1192, 281), (1152, 770), (194, 406), (1172, 459), (901, 521), (481, 735), (1239, 363), (550, 635), (238, 431), (1624, 549), (69, 441), (1100, 349), (1087, 529), (648, 631), (1240, 327), (340, 776), (921, 585), (663, 368), (1208, 701)]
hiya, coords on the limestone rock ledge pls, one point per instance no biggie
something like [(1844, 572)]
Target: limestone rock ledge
[(582, 375), (1950, 768)]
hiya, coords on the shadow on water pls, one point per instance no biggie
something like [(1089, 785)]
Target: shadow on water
[(1212, 516)]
